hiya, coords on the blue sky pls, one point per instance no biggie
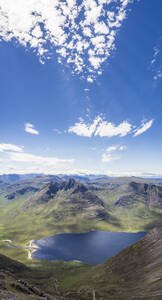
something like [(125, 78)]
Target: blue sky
[(81, 94)]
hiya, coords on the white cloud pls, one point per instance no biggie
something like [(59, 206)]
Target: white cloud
[(122, 148), (102, 128), (82, 129), (31, 158), (21, 162), (111, 148), (144, 127), (109, 129), (115, 148), (106, 157), (158, 75), (13, 157), (10, 147), (30, 129), (156, 62), (156, 52), (71, 28)]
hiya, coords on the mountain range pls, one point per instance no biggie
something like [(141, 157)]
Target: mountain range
[(51, 204)]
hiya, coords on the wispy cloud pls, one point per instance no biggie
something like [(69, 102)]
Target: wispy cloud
[(115, 148), (122, 148), (106, 157), (15, 160), (111, 148), (158, 75), (103, 128), (83, 34), (10, 147), (156, 52), (57, 131), (144, 127), (31, 158), (30, 129), (156, 62)]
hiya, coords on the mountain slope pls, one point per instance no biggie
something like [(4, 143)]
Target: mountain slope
[(135, 273), (19, 282), (150, 194), (68, 199)]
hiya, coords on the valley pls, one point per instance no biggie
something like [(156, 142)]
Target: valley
[(42, 206)]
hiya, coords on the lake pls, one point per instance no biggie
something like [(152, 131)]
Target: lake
[(91, 247)]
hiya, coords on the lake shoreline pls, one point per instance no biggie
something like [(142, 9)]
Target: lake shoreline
[(33, 246), (90, 247)]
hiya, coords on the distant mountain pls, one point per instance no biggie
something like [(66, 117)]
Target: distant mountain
[(150, 194), (16, 177), (50, 190), (72, 199)]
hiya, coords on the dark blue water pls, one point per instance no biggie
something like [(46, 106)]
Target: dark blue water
[(91, 247)]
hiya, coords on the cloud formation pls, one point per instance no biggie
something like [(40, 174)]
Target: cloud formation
[(102, 128), (108, 156), (109, 129), (156, 62), (111, 148), (83, 129), (10, 147), (31, 158), (115, 148), (83, 34), (144, 127), (30, 129), (14, 159)]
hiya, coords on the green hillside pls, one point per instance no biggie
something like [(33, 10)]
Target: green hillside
[(36, 208)]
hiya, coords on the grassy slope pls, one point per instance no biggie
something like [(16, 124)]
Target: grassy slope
[(22, 224), (135, 273)]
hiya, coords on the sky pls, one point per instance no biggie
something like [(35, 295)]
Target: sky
[(80, 87)]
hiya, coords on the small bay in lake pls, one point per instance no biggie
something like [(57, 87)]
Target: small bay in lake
[(91, 247)]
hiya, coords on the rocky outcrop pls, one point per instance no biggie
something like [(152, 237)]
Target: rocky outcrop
[(50, 190)]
